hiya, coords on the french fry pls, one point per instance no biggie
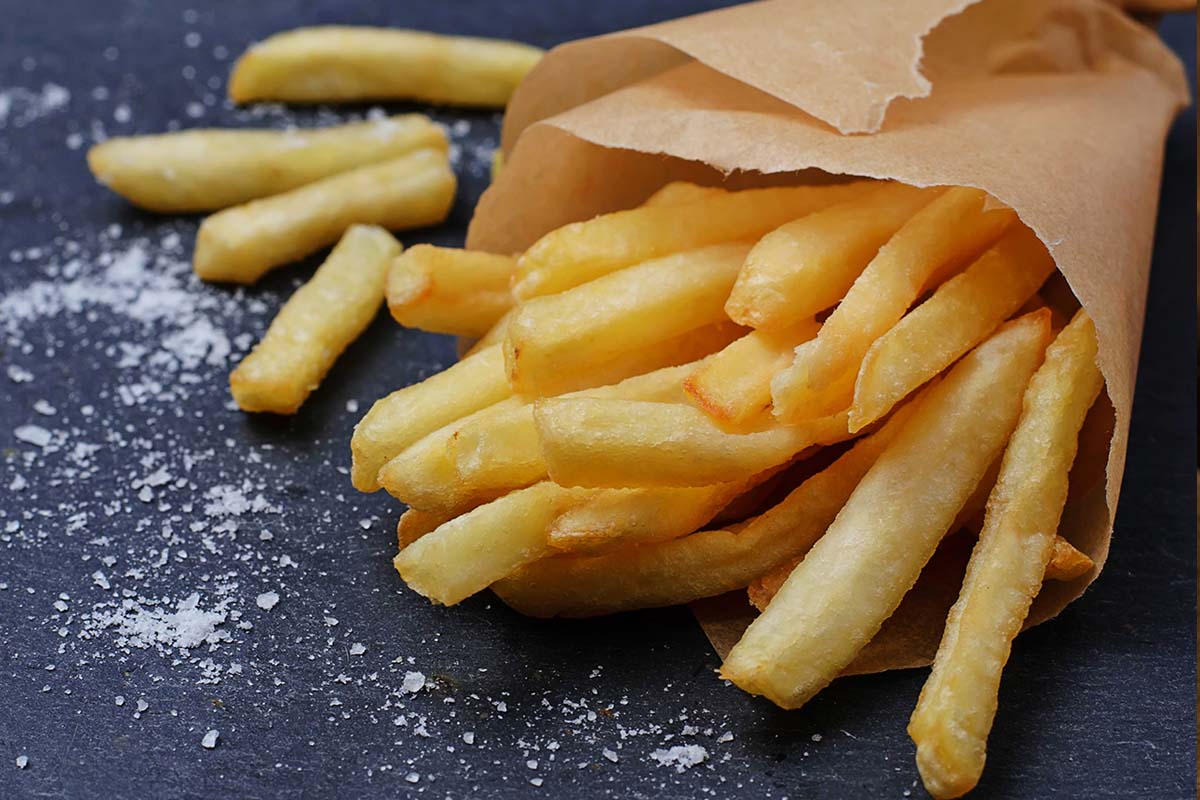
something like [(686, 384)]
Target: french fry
[(449, 290), (954, 715), (304, 338), (953, 229), (243, 243), (470, 552), (678, 193), (855, 576), (734, 386), (340, 63), (584, 251), (620, 443), (703, 564), (415, 523), (961, 313), (497, 165), (551, 339), (210, 169), (397, 421), (808, 264)]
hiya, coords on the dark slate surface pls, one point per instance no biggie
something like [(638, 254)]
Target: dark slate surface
[(1100, 703)]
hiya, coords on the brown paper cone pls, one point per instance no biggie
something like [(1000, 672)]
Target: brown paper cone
[(1058, 108)]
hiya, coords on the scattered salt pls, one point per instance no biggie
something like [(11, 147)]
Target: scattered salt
[(681, 756), (357, 649), (413, 681), (22, 762), (267, 600), (210, 739), (35, 435)]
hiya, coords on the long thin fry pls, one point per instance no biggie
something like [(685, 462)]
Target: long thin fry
[(304, 338), (952, 229), (551, 339), (855, 576), (583, 251), (404, 416), (807, 265), (468, 553), (617, 443), (678, 193), (341, 63), (959, 315), (449, 290), (210, 169), (954, 715), (243, 243), (704, 564)]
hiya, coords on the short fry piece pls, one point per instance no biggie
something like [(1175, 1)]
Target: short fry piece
[(678, 193), (807, 265), (958, 703), (551, 339), (704, 564), (304, 338), (954, 228), (583, 251), (960, 314), (616, 443), (449, 290), (404, 416), (243, 243), (470, 552), (210, 169), (341, 63), (855, 576), (734, 386)]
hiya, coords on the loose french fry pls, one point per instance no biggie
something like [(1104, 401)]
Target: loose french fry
[(583, 251), (678, 193), (415, 523), (341, 63), (734, 386), (210, 169), (855, 576), (958, 316), (449, 290), (704, 564), (551, 339), (304, 338), (397, 421), (807, 265), (954, 715), (242, 243), (956, 227), (470, 552), (619, 443)]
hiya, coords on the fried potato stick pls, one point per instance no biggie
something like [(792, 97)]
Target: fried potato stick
[(210, 169), (678, 193), (449, 290), (954, 715), (960, 314), (243, 243), (583, 251), (341, 63), (855, 576), (304, 338)]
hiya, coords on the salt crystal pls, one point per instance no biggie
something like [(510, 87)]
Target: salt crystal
[(610, 755), (412, 777), (816, 737), (267, 600), (469, 737), (682, 756), (210, 739), (352, 406), (725, 737), (536, 781), (357, 649), (35, 435), (19, 374), (22, 762), (120, 700), (142, 706), (532, 763), (413, 681), (100, 580)]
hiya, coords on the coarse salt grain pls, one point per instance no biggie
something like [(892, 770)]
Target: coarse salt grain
[(210, 739)]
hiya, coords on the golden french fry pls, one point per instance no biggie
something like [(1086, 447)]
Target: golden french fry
[(951, 230), (855, 576), (497, 165), (961, 313), (704, 564), (304, 338), (341, 63), (449, 290), (734, 386), (472, 551), (415, 523), (210, 169), (242, 243), (397, 421), (678, 193), (584, 251), (618, 443), (551, 339), (954, 715), (808, 264)]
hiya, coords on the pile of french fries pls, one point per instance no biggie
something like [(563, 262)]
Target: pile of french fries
[(794, 391)]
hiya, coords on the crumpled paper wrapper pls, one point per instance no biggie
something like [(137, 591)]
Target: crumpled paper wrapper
[(1058, 108)]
